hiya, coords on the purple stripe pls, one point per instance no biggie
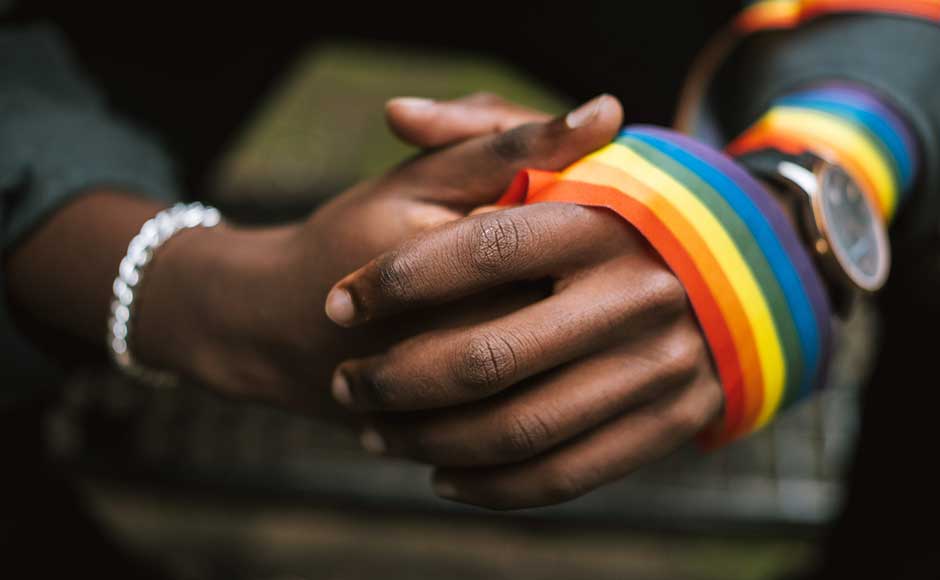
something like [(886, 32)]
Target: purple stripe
[(877, 106), (778, 222)]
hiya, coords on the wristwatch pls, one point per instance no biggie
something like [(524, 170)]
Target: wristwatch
[(837, 220)]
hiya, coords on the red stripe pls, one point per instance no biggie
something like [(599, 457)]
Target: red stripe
[(764, 16), (917, 9), (537, 186)]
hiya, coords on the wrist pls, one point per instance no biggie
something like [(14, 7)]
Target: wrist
[(848, 125), (204, 309), (73, 258)]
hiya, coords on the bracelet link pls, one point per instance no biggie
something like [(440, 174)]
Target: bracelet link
[(154, 233)]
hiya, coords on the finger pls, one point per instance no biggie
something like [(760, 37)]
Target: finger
[(600, 456), (487, 209), (476, 309), (476, 253), (417, 218), (444, 368), (428, 123), (551, 408), (477, 171)]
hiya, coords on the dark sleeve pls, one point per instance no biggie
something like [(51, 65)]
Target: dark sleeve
[(57, 140), (896, 56)]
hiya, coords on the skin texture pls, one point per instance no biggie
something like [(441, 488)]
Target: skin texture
[(240, 310), (530, 354), (258, 328), (604, 374)]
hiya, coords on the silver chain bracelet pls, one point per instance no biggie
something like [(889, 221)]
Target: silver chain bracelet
[(153, 234)]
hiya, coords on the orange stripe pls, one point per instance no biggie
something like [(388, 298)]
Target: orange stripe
[(678, 259), (767, 15), (723, 292)]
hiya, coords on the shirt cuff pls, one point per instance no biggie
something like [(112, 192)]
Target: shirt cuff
[(52, 154)]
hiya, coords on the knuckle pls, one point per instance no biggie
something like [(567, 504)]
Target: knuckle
[(560, 484), (486, 362), (500, 238), (667, 295), (688, 418), (522, 435), (396, 277), (378, 386), (512, 146), (685, 353)]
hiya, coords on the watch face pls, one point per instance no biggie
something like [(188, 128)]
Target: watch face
[(854, 231)]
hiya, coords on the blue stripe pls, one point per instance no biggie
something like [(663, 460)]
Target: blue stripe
[(797, 301), (876, 126)]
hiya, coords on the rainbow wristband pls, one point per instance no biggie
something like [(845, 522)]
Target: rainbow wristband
[(751, 283), (775, 14), (848, 126)]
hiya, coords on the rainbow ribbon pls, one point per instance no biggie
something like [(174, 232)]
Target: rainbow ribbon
[(756, 294), (751, 283), (848, 126), (772, 14)]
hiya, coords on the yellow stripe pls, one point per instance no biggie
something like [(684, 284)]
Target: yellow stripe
[(819, 125), (725, 252)]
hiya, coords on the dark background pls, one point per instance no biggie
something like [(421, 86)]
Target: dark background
[(193, 73)]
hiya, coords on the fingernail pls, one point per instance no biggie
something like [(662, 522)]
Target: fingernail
[(423, 217), (584, 114), (372, 442), (444, 488), (486, 209), (412, 102), (339, 306), (340, 389)]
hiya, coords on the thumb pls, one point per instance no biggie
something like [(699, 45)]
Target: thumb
[(427, 123), (475, 172)]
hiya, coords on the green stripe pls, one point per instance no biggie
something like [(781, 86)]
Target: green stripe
[(749, 248)]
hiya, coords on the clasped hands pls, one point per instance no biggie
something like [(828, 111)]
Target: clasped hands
[(529, 354), (604, 371)]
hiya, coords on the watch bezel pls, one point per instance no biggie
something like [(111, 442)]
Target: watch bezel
[(808, 178)]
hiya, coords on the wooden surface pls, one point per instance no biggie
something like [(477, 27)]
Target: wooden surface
[(204, 536)]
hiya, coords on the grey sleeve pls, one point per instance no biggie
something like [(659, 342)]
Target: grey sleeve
[(57, 140), (896, 57)]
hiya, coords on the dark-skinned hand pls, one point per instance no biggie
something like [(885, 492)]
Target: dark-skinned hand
[(607, 372)]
